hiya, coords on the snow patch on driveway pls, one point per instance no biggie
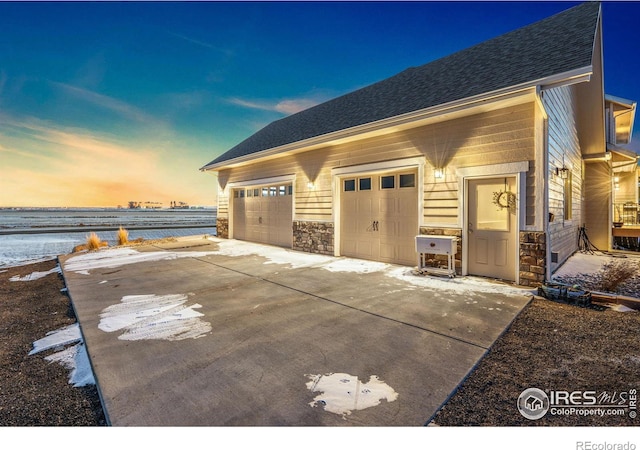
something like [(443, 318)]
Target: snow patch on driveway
[(117, 257), (467, 285), (154, 317), (342, 393)]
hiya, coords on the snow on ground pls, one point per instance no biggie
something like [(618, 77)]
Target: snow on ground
[(467, 285), (587, 263), (342, 393), (111, 258), (154, 317), (117, 257), (276, 255), (35, 275), (73, 357)]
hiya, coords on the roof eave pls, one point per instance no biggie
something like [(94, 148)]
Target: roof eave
[(563, 79)]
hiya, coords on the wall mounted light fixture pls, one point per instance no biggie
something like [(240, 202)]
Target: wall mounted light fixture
[(438, 173), (562, 172), (310, 185)]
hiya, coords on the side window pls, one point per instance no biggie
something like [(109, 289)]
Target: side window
[(265, 191), (256, 192), (568, 197)]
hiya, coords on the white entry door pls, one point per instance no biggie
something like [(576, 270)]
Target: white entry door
[(492, 228)]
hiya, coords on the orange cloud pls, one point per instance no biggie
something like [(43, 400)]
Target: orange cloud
[(44, 165)]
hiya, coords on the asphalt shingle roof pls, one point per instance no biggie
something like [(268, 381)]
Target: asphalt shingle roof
[(558, 44)]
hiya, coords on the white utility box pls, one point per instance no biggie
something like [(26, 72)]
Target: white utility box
[(427, 244)]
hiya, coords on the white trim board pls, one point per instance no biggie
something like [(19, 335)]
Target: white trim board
[(262, 181), (384, 166), (494, 169)]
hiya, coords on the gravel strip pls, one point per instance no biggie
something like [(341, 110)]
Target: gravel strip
[(34, 392)]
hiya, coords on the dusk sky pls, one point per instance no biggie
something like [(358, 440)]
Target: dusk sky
[(103, 103)]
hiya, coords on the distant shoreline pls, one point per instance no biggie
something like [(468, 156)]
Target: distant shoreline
[(79, 229)]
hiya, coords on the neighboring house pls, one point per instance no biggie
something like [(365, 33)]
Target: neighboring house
[(502, 145)]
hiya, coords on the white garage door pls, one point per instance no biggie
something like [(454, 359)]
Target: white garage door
[(379, 217), (264, 214)]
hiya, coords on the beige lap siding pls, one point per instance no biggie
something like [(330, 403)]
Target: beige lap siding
[(496, 137), (564, 151)]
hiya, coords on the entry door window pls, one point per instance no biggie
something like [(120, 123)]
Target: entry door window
[(491, 217)]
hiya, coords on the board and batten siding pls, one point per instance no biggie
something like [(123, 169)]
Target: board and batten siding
[(496, 137), (564, 151)]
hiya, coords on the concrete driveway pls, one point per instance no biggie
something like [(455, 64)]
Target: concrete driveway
[(220, 332)]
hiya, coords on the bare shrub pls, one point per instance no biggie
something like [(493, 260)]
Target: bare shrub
[(94, 242), (123, 236), (615, 273)]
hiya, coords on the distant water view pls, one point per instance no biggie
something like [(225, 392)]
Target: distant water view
[(32, 234)]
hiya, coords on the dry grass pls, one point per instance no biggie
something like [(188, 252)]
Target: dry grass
[(94, 242), (123, 236), (616, 273)]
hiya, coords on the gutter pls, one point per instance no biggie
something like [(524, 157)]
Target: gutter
[(563, 79)]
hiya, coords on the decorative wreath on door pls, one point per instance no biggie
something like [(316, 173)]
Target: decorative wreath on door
[(505, 198)]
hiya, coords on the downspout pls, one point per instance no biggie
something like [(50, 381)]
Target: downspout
[(545, 178)]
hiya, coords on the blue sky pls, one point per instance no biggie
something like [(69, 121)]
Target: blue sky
[(102, 103)]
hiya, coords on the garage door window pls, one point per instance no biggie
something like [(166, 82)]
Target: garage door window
[(388, 182), (349, 185), (407, 180), (365, 184)]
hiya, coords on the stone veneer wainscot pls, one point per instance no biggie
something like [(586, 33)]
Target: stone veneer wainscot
[(533, 258), (313, 237), (222, 228)]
